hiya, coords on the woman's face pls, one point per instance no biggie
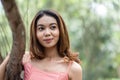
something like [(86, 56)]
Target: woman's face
[(47, 31)]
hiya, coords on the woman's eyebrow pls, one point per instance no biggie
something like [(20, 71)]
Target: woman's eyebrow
[(49, 24), (40, 25), (53, 24)]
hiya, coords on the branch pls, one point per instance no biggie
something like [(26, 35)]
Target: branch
[(14, 66)]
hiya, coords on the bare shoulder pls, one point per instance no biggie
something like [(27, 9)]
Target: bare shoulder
[(75, 72), (76, 67)]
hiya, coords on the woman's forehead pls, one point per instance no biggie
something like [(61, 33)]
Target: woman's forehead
[(46, 20)]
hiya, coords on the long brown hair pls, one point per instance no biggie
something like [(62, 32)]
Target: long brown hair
[(63, 44)]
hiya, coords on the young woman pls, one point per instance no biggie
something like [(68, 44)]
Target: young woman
[(50, 57)]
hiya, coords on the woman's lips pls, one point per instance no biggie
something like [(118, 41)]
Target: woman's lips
[(48, 40)]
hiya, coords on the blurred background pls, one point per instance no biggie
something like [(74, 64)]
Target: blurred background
[(94, 30)]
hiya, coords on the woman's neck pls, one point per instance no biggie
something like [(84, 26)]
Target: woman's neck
[(51, 52)]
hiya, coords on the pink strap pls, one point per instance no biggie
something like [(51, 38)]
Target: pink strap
[(70, 63)]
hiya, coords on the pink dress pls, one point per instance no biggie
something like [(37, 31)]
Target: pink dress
[(33, 73)]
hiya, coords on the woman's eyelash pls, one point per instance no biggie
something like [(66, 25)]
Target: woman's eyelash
[(41, 28), (53, 27)]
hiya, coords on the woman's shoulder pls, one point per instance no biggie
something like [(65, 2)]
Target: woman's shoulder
[(75, 72), (75, 67)]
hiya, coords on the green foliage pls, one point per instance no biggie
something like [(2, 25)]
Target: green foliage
[(5, 35), (93, 27)]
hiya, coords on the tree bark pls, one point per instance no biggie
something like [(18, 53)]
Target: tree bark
[(14, 66)]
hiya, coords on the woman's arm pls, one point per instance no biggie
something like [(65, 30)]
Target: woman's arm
[(75, 72), (2, 67)]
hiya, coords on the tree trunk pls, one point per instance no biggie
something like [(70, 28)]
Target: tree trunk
[(14, 66)]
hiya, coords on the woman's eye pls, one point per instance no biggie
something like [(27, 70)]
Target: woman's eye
[(53, 27), (41, 28)]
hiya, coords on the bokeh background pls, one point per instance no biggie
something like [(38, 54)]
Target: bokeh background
[(94, 30)]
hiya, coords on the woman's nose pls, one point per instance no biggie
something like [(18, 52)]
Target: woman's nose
[(47, 32)]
